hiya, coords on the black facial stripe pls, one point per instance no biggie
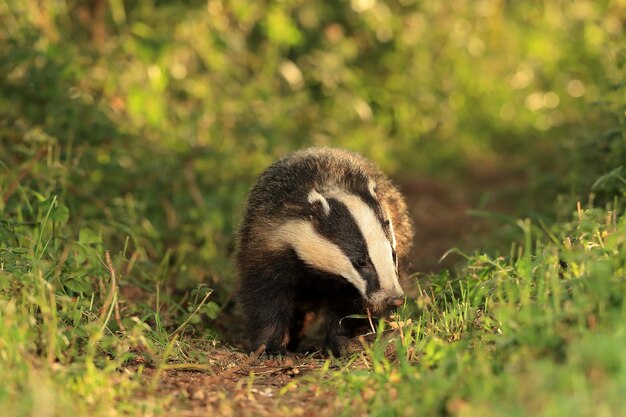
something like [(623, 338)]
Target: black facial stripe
[(341, 228), (378, 211), (373, 284)]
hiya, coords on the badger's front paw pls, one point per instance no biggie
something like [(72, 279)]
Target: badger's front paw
[(275, 352), (270, 351)]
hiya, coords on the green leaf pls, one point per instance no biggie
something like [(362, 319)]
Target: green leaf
[(212, 309), (42, 198), (78, 283), (201, 291), (614, 175), (60, 213), (87, 236)]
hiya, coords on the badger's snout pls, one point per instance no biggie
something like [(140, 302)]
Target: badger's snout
[(391, 303)]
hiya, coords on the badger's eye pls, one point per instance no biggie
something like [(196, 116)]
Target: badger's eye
[(360, 263), (387, 223)]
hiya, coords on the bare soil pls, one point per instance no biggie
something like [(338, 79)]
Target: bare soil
[(238, 387)]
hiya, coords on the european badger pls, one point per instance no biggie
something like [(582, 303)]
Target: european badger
[(323, 230)]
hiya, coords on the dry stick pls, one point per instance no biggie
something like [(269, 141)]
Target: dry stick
[(188, 366), (23, 173), (369, 320), (116, 306), (274, 370), (246, 365), (182, 326), (131, 262), (109, 296), (255, 355)]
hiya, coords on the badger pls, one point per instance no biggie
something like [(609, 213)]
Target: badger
[(323, 230)]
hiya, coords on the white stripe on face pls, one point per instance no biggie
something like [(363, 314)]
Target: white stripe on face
[(316, 251), (314, 196), (377, 244), (371, 186)]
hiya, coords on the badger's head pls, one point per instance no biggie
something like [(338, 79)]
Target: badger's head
[(349, 235)]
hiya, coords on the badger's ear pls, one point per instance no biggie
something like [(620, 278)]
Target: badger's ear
[(318, 203), (371, 187)]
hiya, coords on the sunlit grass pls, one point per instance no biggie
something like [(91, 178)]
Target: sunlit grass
[(540, 334)]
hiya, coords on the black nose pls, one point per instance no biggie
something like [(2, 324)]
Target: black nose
[(392, 303)]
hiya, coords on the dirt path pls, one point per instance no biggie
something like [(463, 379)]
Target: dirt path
[(440, 212), (236, 386), (230, 390)]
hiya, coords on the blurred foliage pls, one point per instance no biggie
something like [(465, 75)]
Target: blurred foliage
[(152, 118)]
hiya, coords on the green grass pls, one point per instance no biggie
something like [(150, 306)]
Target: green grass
[(64, 346), (540, 333), (57, 341)]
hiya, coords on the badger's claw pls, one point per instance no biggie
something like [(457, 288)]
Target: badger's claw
[(270, 352)]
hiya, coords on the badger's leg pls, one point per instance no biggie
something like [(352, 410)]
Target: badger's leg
[(296, 328), (268, 302), (269, 323), (339, 329)]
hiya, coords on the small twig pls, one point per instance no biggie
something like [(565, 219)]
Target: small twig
[(369, 318), (131, 262), (118, 316), (182, 326), (275, 370), (245, 366), (114, 290), (189, 367), (363, 356), (258, 352)]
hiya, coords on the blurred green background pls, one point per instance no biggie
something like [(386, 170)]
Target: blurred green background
[(135, 128), (149, 120)]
